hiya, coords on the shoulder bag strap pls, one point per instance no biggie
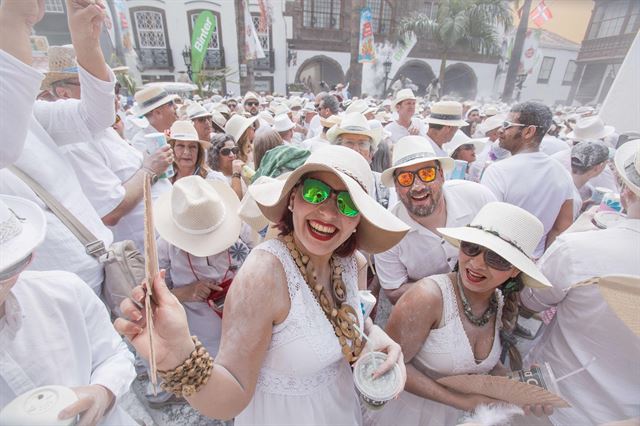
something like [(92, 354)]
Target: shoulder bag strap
[(93, 246)]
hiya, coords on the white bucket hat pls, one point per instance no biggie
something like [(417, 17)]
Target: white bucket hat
[(237, 125), (622, 294), (627, 161), (402, 95), (355, 123), (590, 128), (459, 139), (491, 123), (508, 230), (183, 130), (151, 98), (411, 150), (447, 113), (378, 230), (22, 229), (198, 216), (282, 123), (195, 110)]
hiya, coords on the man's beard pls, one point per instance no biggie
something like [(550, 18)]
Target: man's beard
[(422, 210)]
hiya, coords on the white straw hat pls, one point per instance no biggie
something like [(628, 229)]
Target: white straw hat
[(218, 119), (62, 64), (378, 230), (356, 124), (508, 230), (459, 139), (330, 121), (622, 294), (195, 110), (359, 105), (282, 123), (237, 125), (627, 161), (590, 128), (447, 113), (183, 130), (151, 98), (402, 95), (491, 123), (22, 229), (250, 95), (198, 216), (411, 150)]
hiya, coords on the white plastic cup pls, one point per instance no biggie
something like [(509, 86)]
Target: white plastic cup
[(153, 142), (375, 393), (367, 302)]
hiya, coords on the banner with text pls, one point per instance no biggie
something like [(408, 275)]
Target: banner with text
[(202, 31)]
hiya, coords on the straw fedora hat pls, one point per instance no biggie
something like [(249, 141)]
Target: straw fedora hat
[(151, 98), (356, 124), (282, 123), (359, 105), (195, 110), (330, 121), (62, 64), (622, 294), (411, 150), (402, 95), (378, 230), (250, 95), (460, 139), (447, 113), (183, 130), (23, 229), (490, 111), (237, 125), (491, 123), (627, 161), (508, 230), (590, 128), (198, 216), (218, 119), (221, 108)]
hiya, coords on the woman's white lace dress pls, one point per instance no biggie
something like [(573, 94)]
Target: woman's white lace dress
[(446, 352), (305, 380)]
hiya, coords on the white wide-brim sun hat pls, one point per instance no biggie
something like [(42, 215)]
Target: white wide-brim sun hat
[(590, 128), (627, 161), (378, 230), (509, 231), (622, 294), (460, 139), (23, 226), (198, 216), (237, 125), (355, 123)]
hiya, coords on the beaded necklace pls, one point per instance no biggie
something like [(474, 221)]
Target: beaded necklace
[(466, 307), (343, 318)]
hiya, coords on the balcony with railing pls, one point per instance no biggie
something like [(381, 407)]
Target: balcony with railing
[(214, 59), (265, 64), (155, 58)]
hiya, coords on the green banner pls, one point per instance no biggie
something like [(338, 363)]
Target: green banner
[(202, 31)]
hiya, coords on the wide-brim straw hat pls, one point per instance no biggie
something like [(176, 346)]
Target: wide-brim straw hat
[(402, 95), (446, 113), (508, 230), (23, 229), (590, 128), (330, 121), (183, 130), (355, 123), (218, 119), (249, 211), (237, 125), (622, 294), (627, 161), (195, 110), (62, 65), (151, 98), (198, 216), (412, 150), (460, 139), (378, 230)]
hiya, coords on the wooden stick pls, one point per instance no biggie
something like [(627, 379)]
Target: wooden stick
[(151, 270)]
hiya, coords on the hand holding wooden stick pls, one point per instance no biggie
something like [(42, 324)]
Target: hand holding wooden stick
[(151, 270)]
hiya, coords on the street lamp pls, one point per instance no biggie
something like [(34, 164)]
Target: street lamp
[(186, 57), (386, 65)]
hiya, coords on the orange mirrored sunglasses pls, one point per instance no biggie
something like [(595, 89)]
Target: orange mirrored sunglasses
[(426, 175)]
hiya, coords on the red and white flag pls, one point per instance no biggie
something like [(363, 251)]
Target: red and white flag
[(540, 14)]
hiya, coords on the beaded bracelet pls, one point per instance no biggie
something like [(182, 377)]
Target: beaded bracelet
[(187, 378)]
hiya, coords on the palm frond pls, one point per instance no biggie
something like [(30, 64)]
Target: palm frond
[(420, 25)]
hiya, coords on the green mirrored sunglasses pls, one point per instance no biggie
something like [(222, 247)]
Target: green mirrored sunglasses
[(315, 191)]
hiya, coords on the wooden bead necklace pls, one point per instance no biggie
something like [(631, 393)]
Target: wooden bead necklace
[(344, 317)]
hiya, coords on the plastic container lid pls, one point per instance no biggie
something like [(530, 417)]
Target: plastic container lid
[(39, 407), (381, 389)]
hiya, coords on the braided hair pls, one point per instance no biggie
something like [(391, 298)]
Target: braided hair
[(510, 312)]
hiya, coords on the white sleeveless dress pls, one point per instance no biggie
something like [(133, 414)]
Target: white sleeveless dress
[(446, 352), (305, 379)]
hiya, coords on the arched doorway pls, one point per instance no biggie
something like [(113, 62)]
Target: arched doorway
[(317, 69), (419, 73), (460, 81)]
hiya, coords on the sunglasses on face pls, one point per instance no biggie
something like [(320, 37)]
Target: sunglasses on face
[(508, 124), (250, 104), (228, 151), (315, 191), (231, 105), (426, 175), (491, 258)]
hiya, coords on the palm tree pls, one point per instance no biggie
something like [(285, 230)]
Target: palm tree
[(470, 24)]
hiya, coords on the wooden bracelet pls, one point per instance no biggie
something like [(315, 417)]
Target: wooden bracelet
[(189, 377)]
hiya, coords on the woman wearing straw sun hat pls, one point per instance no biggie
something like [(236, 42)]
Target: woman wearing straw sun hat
[(455, 323), (281, 360)]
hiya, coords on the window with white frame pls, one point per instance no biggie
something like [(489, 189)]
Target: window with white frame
[(150, 29), (608, 19), (545, 69), (214, 44), (263, 36), (54, 6), (570, 73)]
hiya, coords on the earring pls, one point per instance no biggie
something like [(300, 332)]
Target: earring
[(290, 208)]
